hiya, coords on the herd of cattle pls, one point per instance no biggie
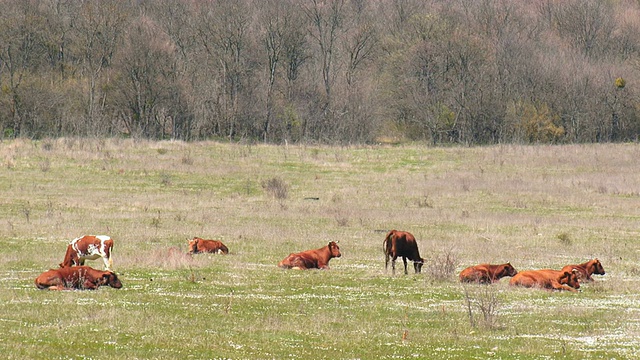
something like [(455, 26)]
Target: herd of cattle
[(73, 274)]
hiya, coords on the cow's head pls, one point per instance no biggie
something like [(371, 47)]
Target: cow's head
[(596, 266), (417, 265), (509, 270), (193, 245), (111, 279), (334, 249), (570, 279)]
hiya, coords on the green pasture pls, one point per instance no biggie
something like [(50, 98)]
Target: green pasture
[(533, 206)]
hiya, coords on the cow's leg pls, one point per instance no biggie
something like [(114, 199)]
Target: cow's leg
[(404, 260), (107, 263), (557, 286), (393, 265)]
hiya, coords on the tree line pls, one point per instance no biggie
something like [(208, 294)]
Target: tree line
[(326, 71)]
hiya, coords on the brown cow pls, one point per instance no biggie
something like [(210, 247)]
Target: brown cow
[(401, 243), (486, 273), (547, 279), (88, 247), (311, 259), (587, 269), (76, 277), (198, 245)]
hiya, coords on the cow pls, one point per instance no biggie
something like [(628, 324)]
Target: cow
[(312, 259), (76, 277), (198, 245), (547, 279), (486, 273), (587, 269), (89, 247), (401, 244)]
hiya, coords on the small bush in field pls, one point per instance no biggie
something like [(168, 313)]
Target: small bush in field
[(482, 301), (565, 238), (276, 187), (45, 165), (165, 179), (443, 265), (47, 145), (187, 159)]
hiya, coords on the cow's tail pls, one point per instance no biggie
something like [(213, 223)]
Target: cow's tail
[(386, 247)]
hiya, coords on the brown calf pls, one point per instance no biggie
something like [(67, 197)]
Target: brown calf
[(486, 273), (587, 269), (401, 244), (311, 259), (547, 279), (198, 245), (77, 277)]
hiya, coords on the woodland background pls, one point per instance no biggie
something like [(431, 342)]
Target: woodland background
[(312, 71)]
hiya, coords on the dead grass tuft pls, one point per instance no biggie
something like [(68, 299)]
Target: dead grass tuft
[(482, 304), (276, 187), (443, 265)]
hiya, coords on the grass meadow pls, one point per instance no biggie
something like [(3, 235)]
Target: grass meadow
[(534, 206)]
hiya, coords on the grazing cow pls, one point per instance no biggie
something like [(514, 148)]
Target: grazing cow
[(486, 273), (198, 245), (311, 259), (587, 269), (547, 279), (76, 277), (401, 243), (89, 247)]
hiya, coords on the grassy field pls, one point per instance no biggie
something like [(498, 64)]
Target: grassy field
[(535, 206)]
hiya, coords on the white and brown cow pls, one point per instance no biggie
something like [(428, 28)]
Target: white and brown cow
[(89, 247)]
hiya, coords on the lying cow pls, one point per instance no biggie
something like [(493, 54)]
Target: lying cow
[(76, 277), (89, 247), (486, 273), (547, 279), (198, 245), (587, 269), (311, 259), (401, 244)]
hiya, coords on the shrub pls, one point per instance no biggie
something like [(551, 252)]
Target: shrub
[(276, 187), (483, 300), (443, 265)]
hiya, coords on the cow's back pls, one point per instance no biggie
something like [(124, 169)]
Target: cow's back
[(405, 244), (477, 273)]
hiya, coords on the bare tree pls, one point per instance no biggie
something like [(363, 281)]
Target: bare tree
[(222, 30), (98, 29), (326, 21), (140, 88), (174, 18), (21, 49), (588, 25)]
